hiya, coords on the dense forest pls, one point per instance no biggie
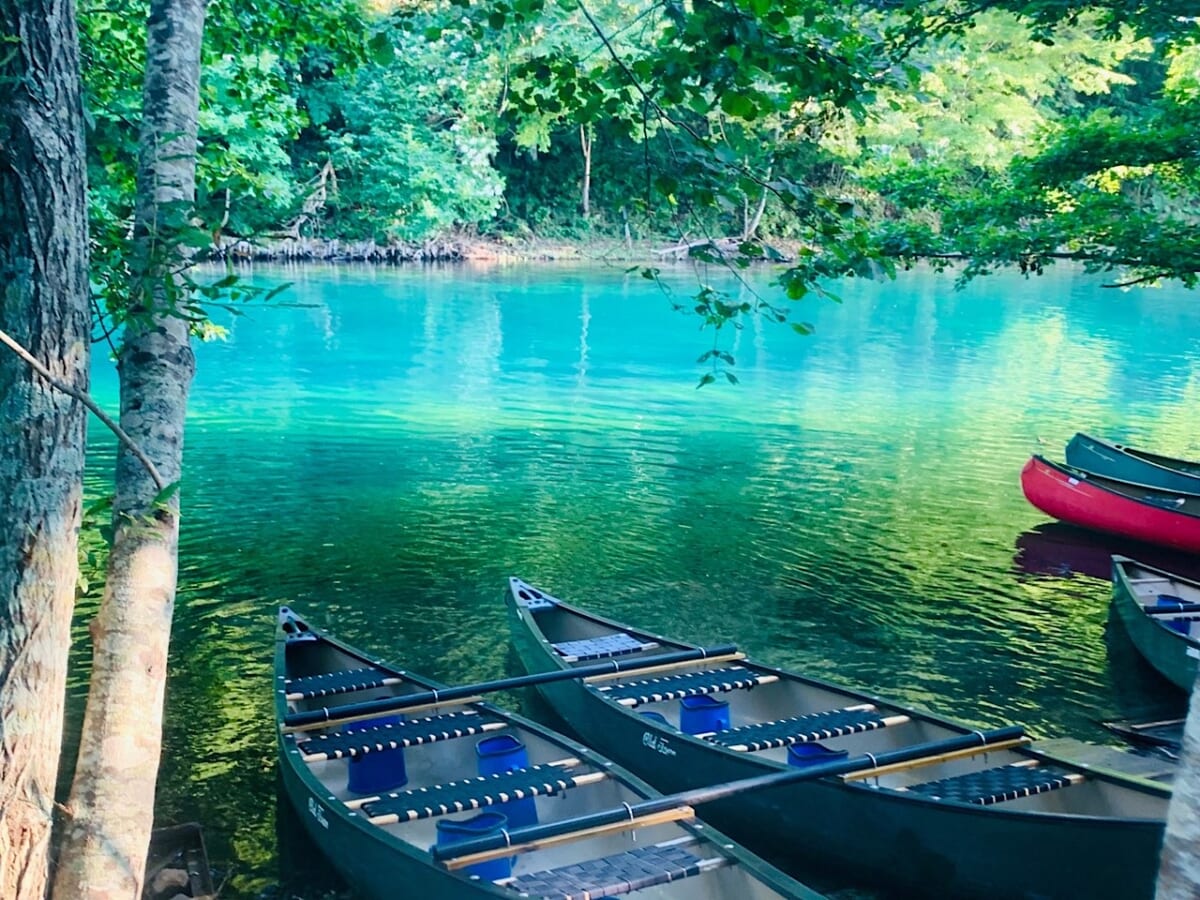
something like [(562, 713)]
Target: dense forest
[(881, 130)]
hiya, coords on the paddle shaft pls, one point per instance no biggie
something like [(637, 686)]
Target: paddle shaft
[(977, 739), (446, 695)]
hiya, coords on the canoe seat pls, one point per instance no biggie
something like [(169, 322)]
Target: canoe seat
[(621, 873), (474, 793), (999, 784), (344, 682), (409, 733), (688, 684), (600, 647), (800, 729)]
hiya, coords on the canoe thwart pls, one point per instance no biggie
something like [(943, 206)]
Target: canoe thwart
[(800, 729), (409, 733), (621, 873), (687, 684), (618, 644), (474, 793), (346, 681), (997, 785), (666, 667), (450, 861), (915, 762)]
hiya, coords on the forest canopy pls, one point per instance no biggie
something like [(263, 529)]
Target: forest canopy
[(876, 132)]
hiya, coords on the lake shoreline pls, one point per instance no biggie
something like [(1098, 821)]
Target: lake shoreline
[(470, 248)]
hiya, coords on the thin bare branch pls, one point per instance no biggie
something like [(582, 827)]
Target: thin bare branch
[(87, 401)]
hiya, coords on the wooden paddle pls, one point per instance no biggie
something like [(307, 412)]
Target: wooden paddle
[(366, 708), (532, 837)]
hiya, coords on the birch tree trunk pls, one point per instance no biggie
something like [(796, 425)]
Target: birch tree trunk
[(586, 139), (43, 306), (1179, 868), (112, 798)]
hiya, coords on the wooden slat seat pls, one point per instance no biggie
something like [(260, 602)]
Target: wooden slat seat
[(618, 644), (475, 793), (688, 684), (360, 741), (344, 682), (609, 876), (800, 729), (997, 785)]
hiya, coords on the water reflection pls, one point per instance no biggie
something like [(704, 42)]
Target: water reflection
[(1057, 548)]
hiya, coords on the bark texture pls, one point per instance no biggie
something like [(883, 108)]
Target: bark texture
[(112, 798), (1179, 868), (43, 305)]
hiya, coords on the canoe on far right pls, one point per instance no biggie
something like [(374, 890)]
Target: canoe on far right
[(1124, 463), (1161, 612)]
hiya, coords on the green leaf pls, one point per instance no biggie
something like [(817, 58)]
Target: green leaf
[(706, 378), (797, 289), (802, 328), (196, 238), (725, 154), (739, 105), (381, 49), (104, 504), (161, 498)]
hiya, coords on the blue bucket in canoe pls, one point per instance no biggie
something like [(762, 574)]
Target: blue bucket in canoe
[(505, 753), (703, 714), (806, 754), (482, 825), (1170, 601), (377, 770)]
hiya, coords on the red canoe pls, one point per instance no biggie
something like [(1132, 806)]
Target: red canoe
[(1131, 510)]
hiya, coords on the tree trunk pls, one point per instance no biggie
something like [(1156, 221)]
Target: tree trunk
[(112, 798), (751, 223), (43, 306), (585, 143), (1179, 869)]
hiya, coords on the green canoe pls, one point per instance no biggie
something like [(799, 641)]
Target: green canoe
[(1005, 822), (1122, 463), (391, 796), (1161, 612)]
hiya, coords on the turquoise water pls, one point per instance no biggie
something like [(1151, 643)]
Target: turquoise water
[(384, 450)]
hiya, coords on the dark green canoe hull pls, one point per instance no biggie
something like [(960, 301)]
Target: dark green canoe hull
[(1165, 650), (1134, 466), (925, 847), (381, 866), (372, 866)]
